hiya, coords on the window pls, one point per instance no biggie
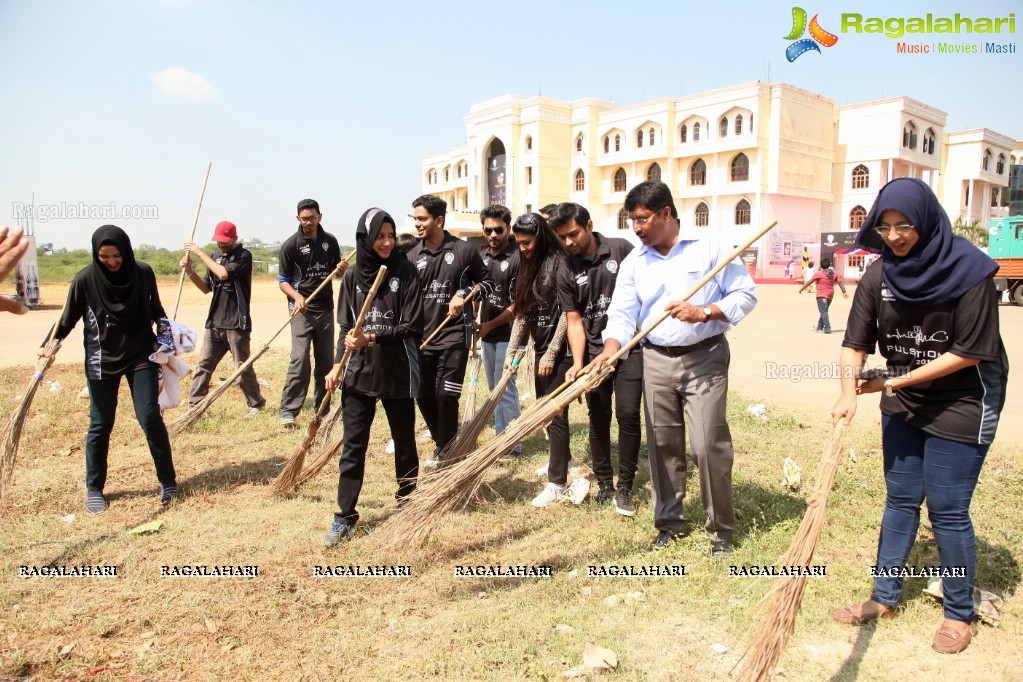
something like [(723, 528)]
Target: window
[(529, 175), (987, 160), (701, 217), (1000, 166), (654, 172), (618, 143), (696, 132), (639, 138), (860, 177), (856, 217), (529, 208), (447, 175), (683, 132), (724, 127), (652, 137), (909, 136), (738, 124), (742, 213), (579, 144), (623, 219), (619, 181), (607, 143), (740, 168), (698, 173), (580, 180), (529, 143), (929, 141)]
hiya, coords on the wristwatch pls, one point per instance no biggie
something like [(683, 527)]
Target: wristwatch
[(707, 313), (889, 390)]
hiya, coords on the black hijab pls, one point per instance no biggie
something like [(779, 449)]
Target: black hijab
[(940, 267), (121, 296), (367, 262)]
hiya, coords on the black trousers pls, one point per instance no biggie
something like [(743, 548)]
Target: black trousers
[(443, 373), (626, 385), (557, 432), (145, 386), (357, 415)]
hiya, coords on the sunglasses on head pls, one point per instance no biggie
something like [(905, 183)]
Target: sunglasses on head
[(493, 230)]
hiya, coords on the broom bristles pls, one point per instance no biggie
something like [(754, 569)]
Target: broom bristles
[(475, 362), (332, 419), (326, 455), (286, 480), (772, 635), (467, 438), (16, 422)]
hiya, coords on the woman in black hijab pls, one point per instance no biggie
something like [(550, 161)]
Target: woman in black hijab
[(384, 364), (929, 305), (118, 299)]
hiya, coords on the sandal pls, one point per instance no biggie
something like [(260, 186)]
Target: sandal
[(949, 641), (853, 615)]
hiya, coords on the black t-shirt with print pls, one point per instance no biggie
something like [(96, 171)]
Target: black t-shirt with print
[(585, 285), (504, 268), (229, 308), (962, 406), (305, 263)]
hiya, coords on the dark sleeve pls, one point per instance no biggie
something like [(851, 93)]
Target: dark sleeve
[(975, 324), (154, 296), (479, 273), (345, 317), (286, 265), (239, 268), (565, 288), (411, 312), (861, 330), (74, 308)]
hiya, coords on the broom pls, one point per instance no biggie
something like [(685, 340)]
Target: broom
[(285, 481), (12, 432), (475, 363), (193, 414), (442, 492), (195, 223), (772, 635), (468, 436)]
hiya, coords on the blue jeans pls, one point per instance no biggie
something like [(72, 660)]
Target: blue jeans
[(918, 467), (493, 365), (823, 324)]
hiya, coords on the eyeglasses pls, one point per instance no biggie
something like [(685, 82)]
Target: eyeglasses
[(904, 229), (493, 230), (642, 222)]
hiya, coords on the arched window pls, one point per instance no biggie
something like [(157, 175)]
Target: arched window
[(724, 126), (856, 217), (620, 180), (698, 173), (579, 144), (987, 160), (860, 177), (529, 143), (909, 136), (607, 144), (929, 141), (623, 219), (683, 132), (742, 213), (738, 124), (1000, 166), (447, 175), (696, 132), (580, 180), (618, 143), (652, 137), (701, 217), (639, 138), (654, 172), (740, 168)]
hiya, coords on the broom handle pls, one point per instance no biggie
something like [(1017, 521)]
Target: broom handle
[(195, 223), (475, 290), (355, 331)]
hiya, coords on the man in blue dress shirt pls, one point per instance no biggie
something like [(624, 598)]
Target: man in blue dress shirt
[(685, 358)]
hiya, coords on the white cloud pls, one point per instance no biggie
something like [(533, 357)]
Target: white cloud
[(178, 82)]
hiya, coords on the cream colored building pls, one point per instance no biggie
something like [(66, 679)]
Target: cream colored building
[(734, 158)]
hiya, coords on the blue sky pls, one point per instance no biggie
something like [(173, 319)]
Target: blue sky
[(125, 101)]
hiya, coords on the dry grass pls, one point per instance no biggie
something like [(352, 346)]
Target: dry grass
[(289, 625)]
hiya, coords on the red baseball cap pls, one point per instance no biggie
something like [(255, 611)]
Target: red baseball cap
[(225, 232)]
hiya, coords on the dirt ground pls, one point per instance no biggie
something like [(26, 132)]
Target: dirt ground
[(775, 355)]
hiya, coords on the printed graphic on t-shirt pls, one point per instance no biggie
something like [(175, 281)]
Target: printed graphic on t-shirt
[(916, 344)]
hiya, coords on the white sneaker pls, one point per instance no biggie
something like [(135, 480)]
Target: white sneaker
[(551, 494), (390, 447), (542, 471), (579, 489)]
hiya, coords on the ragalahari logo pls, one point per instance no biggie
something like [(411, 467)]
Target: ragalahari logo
[(817, 35)]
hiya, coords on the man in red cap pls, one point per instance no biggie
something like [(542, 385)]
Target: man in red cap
[(228, 325)]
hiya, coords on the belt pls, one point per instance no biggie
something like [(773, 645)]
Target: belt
[(675, 351)]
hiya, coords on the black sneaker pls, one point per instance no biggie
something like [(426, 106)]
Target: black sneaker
[(720, 549), (664, 539), (339, 530), (95, 502), (623, 502), (605, 495), (168, 493)]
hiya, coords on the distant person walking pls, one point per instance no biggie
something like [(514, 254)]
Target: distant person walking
[(826, 279)]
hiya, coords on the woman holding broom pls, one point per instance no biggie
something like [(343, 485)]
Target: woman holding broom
[(538, 314), (120, 303), (930, 307), (384, 364)]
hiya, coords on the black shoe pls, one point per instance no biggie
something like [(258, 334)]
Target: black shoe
[(623, 502), (605, 495), (720, 549), (664, 538)]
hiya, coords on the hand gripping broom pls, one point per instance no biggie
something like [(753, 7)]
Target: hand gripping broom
[(450, 486), (288, 477)]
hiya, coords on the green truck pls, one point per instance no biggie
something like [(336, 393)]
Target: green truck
[(1005, 245)]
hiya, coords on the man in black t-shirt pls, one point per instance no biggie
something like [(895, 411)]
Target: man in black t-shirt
[(228, 325), (307, 258), (443, 263)]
